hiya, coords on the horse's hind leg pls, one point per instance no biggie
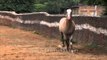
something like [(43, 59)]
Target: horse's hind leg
[(71, 39), (70, 42)]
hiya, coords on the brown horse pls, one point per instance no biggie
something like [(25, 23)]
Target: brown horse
[(67, 28)]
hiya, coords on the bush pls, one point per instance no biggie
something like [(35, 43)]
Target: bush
[(17, 5), (40, 7)]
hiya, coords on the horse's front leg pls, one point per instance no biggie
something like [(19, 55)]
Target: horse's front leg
[(62, 46), (68, 45), (62, 40)]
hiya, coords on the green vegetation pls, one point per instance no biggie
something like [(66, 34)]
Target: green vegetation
[(55, 6), (92, 2), (17, 5), (50, 6)]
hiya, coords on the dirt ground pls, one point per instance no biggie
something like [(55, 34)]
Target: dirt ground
[(16, 44)]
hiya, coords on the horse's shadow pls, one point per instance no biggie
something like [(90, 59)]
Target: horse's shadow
[(86, 50), (94, 51)]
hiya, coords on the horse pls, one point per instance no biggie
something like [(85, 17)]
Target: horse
[(66, 29)]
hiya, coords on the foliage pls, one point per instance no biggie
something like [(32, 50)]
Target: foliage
[(92, 2), (50, 6), (17, 5), (55, 6), (40, 7)]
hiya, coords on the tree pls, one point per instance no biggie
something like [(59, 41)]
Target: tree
[(40, 7), (51, 6), (91, 2), (55, 6), (17, 5)]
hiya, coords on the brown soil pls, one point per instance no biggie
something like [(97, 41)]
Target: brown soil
[(16, 44)]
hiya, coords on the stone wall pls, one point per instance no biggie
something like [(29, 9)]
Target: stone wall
[(89, 29)]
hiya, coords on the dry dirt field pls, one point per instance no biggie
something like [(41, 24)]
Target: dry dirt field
[(16, 44)]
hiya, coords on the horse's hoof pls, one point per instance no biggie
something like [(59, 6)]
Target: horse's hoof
[(74, 51), (61, 48)]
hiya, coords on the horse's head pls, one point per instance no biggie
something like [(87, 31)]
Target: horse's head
[(68, 16)]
